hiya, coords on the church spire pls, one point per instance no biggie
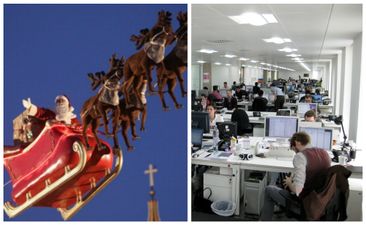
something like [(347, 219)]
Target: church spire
[(152, 204)]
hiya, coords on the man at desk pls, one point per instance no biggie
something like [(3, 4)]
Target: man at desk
[(279, 97), (260, 103), (308, 162), (230, 102), (310, 116)]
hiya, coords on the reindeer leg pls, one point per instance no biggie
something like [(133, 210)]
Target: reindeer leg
[(101, 111), (171, 86), (95, 125), (115, 127), (125, 126), (143, 118), (125, 88), (85, 127), (148, 75), (132, 116), (162, 83), (181, 82)]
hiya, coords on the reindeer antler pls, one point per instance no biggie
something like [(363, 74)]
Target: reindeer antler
[(164, 18), (140, 40), (182, 18)]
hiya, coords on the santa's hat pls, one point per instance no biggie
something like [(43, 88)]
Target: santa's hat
[(64, 98)]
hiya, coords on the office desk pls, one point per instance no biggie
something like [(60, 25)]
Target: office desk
[(270, 164)]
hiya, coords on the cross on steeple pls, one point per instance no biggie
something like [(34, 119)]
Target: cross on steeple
[(151, 172)]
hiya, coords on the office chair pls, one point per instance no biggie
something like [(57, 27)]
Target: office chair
[(329, 201)]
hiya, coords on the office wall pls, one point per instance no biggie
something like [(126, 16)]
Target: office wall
[(346, 82), (355, 90), (196, 77), (220, 74), (251, 75), (284, 74)]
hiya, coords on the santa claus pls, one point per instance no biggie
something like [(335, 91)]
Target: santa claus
[(63, 111)]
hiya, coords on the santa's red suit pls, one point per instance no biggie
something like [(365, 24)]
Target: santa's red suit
[(39, 116)]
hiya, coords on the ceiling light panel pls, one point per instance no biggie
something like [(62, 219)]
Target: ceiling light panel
[(254, 18), (277, 40), (287, 49), (207, 51), (229, 56)]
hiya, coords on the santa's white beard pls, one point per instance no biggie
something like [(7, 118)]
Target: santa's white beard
[(63, 114)]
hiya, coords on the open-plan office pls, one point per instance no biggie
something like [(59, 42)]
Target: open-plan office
[(300, 58)]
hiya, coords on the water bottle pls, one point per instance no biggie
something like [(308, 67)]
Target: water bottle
[(215, 137)]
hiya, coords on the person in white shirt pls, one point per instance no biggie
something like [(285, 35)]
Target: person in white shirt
[(214, 118)]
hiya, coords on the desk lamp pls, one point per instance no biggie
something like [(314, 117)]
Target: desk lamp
[(344, 150)]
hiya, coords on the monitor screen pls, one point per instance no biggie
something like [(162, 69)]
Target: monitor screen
[(302, 108), (197, 135), (201, 120), (283, 112), (281, 126), (319, 137), (227, 130)]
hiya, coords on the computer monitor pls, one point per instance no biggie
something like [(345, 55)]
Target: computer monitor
[(227, 130), (310, 124), (302, 108), (197, 135), (223, 93), (283, 112), (280, 126), (201, 120), (319, 137), (249, 88)]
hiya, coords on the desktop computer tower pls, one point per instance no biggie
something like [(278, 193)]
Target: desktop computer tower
[(254, 185), (220, 181)]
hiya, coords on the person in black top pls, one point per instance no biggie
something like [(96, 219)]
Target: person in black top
[(242, 120), (260, 103), (239, 93), (255, 88), (230, 102)]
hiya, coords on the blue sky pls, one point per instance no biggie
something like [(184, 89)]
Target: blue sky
[(48, 50)]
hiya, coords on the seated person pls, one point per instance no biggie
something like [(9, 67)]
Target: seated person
[(242, 120), (31, 122), (204, 102), (308, 98), (230, 102), (256, 88), (310, 116), (317, 98), (63, 111), (240, 93), (308, 162), (260, 103), (215, 95), (211, 109)]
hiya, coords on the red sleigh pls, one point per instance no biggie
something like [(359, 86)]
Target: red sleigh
[(56, 170)]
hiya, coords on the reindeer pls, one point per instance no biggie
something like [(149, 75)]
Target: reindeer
[(142, 62), (129, 115), (115, 65), (96, 107), (175, 64)]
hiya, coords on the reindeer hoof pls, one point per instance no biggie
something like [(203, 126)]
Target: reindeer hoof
[(136, 137), (166, 109), (142, 129), (115, 150), (178, 106), (130, 148), (184, 94)]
